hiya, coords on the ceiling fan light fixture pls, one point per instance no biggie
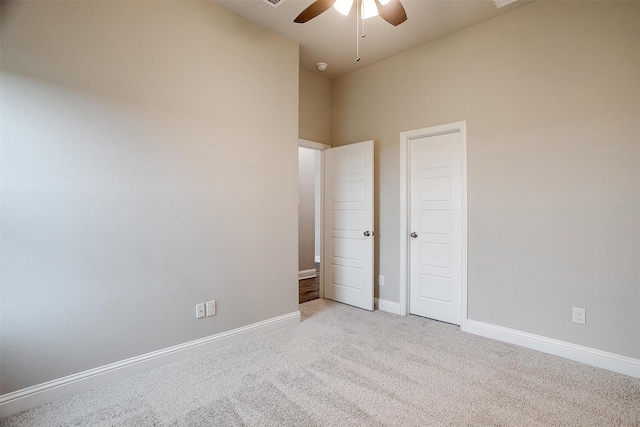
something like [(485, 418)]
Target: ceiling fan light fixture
[(343, 6), (391, 11), (369, 9)]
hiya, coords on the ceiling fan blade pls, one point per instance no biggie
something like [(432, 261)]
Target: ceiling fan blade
[(314, 10), (392, 12)]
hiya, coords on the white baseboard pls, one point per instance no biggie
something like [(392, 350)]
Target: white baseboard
[(589, 356), (318, 259), (307, 274), (18, 401), (389, 306)]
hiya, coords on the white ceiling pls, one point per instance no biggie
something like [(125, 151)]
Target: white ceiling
[(331, 37)]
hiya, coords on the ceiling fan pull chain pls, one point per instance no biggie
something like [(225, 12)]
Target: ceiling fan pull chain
[(362, 34), (358, 30)]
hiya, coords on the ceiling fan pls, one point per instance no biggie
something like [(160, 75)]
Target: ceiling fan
[(391, 11)]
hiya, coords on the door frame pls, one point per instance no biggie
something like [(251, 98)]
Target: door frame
[(405, 210), (318, 146)]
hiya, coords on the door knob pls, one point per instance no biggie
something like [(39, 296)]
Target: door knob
[(367, 233), (414, 234)]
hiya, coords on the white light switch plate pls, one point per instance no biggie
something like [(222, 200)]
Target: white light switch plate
[(211, 308)]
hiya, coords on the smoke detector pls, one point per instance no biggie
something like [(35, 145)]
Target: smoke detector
[(321, 66), (273, 3)]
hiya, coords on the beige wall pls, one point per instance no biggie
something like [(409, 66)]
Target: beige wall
[(314, 123), (315, 107), (142, 173), (551, 96), (306, 208)]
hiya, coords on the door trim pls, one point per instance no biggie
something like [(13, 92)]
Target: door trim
[(312, 144), (320, 147), (405, 208)]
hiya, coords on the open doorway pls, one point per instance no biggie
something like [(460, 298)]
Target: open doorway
[(310, 165)]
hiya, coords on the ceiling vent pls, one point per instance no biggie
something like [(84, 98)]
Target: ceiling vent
[(273, 3), (499, 3)]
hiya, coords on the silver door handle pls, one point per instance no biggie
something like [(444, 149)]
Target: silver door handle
[(367, 233), (414, 234)]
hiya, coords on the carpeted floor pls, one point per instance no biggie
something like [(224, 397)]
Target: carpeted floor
[(348, 367)]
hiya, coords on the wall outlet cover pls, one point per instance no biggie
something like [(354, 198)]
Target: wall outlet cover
[(579, 316), (200, 311)]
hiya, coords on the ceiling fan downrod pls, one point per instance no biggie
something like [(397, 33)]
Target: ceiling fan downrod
[(357, 31), (360, 33)]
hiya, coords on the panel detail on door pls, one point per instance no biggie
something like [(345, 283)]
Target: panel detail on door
[(348, 191), (346, 277), (435, 255), (348, 216), (435, 222), (434, 189), (348, 248), (435, 156), (353, 163), (434, 287), (348, 220)]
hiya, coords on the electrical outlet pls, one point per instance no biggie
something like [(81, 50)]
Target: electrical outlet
[(579, 316), (381, 280), (200, 311), (211, 308)]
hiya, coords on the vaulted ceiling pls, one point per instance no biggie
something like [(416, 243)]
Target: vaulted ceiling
[(331, 37)]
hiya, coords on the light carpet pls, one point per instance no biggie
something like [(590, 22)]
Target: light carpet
[(348, 367)]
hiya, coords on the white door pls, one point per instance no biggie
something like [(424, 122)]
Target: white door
[(436, 227), (348, 258)]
